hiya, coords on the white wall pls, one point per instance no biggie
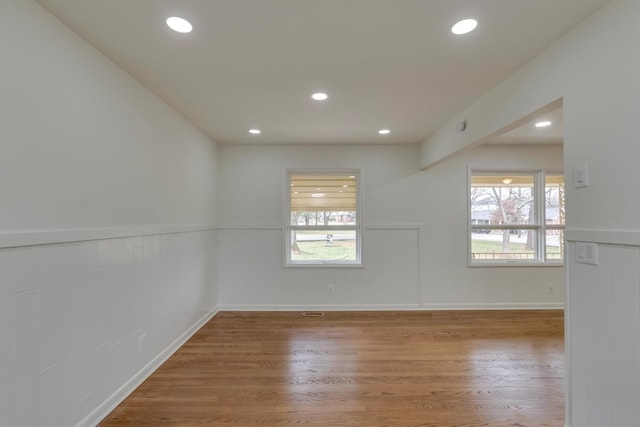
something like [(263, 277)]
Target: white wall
[(414, 242), (107, 198), (83, 144), (594, 70)]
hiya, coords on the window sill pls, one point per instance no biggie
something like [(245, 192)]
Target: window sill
[(516, 264), (323, 265)]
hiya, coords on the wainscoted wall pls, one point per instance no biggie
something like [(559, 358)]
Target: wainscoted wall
[(415, 237), (604, 338), (389, 278), (87, 312), (82, 323)]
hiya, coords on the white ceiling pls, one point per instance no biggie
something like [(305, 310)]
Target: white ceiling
[(384, 63), (528, 133)]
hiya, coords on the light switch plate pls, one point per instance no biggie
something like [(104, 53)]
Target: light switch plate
[(581, 175)]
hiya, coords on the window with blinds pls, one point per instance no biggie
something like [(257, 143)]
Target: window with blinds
[(323, 218)]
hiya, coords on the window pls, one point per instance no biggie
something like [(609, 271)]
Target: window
[(516, 218), (323, 218)]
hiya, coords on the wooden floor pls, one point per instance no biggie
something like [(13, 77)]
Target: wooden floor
[(462, 369)]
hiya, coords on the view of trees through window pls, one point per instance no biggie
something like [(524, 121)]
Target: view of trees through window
[(323, 223), (517, 217)]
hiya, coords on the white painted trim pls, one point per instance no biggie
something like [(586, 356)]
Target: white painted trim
[(568, 381), (613, 237), (280, 226), (250, 227), (394, 307), (337, 307), (47, 237), (100, 412), (16, 239), (392, 226), (509, 264), (327, 264), (496, 306)]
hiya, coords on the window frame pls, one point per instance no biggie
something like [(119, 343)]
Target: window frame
[(288, 227), (540, 221)]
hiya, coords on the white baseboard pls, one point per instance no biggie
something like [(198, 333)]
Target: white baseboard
[(389, 307), (127, 388), (337, 307), (496, 306)]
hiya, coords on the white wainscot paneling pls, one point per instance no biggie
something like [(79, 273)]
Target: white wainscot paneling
[(81, 324), (6, 287), (604, 338), (25, 355), (391, 274), (252, 276)]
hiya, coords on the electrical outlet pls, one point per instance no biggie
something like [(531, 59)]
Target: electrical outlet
[(587, 253), (331, 289)]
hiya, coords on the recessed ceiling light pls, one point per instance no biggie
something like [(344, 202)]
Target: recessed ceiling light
[(319, 96), (543, 124), (465, 26), (384, 131), (507, 181), (255, 131), (179, 25)]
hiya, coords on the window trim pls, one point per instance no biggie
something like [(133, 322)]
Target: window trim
[(288, 227), (541, 227)]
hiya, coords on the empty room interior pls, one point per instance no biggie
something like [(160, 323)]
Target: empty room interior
[(336, 213)]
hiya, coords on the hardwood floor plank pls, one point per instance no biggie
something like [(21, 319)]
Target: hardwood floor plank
[(439, 369)]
